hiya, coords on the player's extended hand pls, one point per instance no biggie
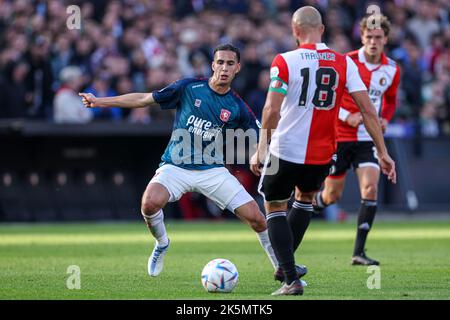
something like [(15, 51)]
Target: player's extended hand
[(384, 124), (88, 99), (255, 164), (388, 167), (354, 119)]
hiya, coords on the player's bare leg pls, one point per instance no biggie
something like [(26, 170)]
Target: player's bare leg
[(154, 199), (332, 192), (250, 214), (368, 182), (368, 178)]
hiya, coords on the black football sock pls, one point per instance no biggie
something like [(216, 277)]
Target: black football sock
[(365, 220), (298, 218), (281, 239)]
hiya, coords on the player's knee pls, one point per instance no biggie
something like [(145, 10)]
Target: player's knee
[(151, 205), (332, 196), (258, 223), (305, 197), (369, 191), (257, 220)]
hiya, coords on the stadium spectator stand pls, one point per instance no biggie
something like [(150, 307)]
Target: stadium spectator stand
[(137, 45)]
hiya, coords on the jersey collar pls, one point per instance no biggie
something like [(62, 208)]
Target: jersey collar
[(217, 93), (313, 46), (362, 57)]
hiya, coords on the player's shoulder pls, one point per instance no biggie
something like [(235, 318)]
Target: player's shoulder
[(391, 62), (353, 55), (287, 55), (391, 65), (193, 82), (338, 56), (328, 54), (281, 58), (181, 85), (237, 98), (240, 101)]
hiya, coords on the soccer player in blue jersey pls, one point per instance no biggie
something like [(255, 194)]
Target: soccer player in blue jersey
[(204, 109)]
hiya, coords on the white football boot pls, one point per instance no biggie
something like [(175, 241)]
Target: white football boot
[(156, 261)]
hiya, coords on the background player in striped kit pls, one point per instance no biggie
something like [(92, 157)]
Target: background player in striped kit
[(302, 106), (355, 148)]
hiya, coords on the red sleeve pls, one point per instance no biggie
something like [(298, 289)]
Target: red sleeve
[(279, 69), (390, 98)]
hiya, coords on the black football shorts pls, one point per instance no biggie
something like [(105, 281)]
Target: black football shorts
[(355, 154), (280, 185)]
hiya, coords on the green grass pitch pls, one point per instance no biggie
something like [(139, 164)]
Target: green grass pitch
[(415, 259)]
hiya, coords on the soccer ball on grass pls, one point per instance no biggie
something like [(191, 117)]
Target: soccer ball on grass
[(220, 275)]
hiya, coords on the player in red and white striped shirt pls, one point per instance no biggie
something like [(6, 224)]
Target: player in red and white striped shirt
[(302, 107), (355, 148)]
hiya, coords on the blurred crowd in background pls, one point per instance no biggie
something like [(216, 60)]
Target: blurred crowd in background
[(138, 46), (142, 45)]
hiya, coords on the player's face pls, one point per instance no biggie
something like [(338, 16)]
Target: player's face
[(374, 41), (225, 67)]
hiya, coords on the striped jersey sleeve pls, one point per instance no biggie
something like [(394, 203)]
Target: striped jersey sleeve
[(279, 75), (354, 81)]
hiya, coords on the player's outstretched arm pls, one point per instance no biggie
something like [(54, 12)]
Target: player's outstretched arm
[(372, 124), (130, 100)]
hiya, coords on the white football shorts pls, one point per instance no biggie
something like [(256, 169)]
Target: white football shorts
[(217, 184)]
